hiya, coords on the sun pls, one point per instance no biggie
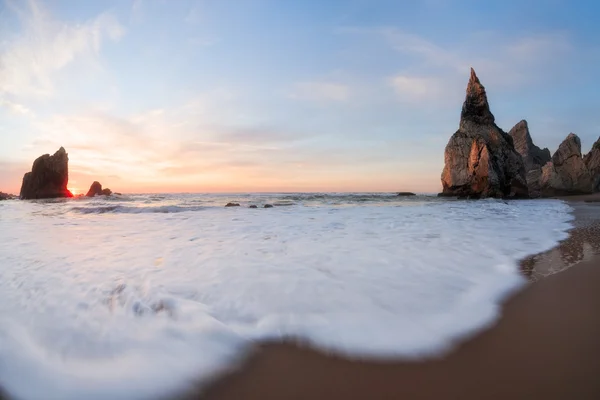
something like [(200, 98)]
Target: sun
[(74, 191)]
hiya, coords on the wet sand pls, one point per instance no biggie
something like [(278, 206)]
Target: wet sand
[(545, 345)]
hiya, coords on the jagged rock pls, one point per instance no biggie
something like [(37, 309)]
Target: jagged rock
[(268, 206), (7, 196), (406, 194), (106, 192), (232, 205), (592, 162), (533, 156), (566, 174), (48, 178), (480, 158), (95, 189)]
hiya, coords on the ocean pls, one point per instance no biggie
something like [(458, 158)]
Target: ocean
[(135, 296)]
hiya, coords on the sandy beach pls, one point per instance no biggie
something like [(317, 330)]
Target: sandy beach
[(544, 346)]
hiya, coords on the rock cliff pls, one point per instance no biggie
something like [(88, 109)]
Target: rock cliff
[(48, 178), (480, 158)]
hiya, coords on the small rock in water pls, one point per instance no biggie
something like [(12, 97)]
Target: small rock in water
[(268, 206), (253, 206), (118, 194), (406, 194), (95, 189), (232, 205), (106, 192)]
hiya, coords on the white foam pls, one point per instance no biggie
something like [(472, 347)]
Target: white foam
[(134, 305)]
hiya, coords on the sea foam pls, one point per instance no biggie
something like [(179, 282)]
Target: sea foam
[(137, 303)]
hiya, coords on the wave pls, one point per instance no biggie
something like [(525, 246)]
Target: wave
[(135, 210)]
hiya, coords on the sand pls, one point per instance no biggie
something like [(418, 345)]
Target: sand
[(546, 345)]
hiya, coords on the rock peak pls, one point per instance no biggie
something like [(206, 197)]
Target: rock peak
[(476, 107)]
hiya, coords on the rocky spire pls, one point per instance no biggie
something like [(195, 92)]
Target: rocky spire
[(533, 156), (592, 162), (476, 107), (48, 178)]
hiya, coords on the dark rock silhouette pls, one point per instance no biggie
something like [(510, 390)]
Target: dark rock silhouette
[(406, 194), (592, 162), (95, 189), (253, 206), (268, 206), (232, 205), (7, 196), (480, 158), (48, 178), (567, 173)]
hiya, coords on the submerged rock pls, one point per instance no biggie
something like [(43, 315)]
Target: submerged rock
[(566, 174), (480, 158), (48, 178), (592, 162), (406, 194), (268, 206), (232, 205), (95, 189), (253, 206)]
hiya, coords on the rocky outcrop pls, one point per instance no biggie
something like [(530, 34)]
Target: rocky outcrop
[(566, 174), (533, 156), (48, 178), (592, 162), (480, 158), (95, 189), (232, 205), (7, 196)]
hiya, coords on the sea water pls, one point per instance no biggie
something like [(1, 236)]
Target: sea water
[(135, 296)]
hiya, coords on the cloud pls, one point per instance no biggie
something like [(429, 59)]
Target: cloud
[(15, 108), (44, 46), (321, 91), (412, 88)]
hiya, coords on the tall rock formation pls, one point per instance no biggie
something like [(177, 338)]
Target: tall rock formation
[(533, 157), (480, 158), (567, 173), (48, 178), (592, 162), (95, 189)]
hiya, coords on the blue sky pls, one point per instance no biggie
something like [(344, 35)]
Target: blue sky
[(265, 95)]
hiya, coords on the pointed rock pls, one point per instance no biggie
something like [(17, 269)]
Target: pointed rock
[(476, 107), (48, 178), (533, 156), (592, 162), (567, 173), (480, 159)]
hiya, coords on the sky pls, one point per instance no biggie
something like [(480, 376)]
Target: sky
[(274, 95)]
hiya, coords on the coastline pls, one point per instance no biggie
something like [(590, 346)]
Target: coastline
[(543, 346)]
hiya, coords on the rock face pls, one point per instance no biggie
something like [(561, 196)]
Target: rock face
[(480, 158), (95, 189), (533, 156), (592, 162), (567, 173), (48, 178)]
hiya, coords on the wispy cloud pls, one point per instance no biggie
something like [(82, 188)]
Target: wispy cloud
[(15, 108), (45, 46)]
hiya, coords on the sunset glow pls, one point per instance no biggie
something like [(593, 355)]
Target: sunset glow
[(241, 97)]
